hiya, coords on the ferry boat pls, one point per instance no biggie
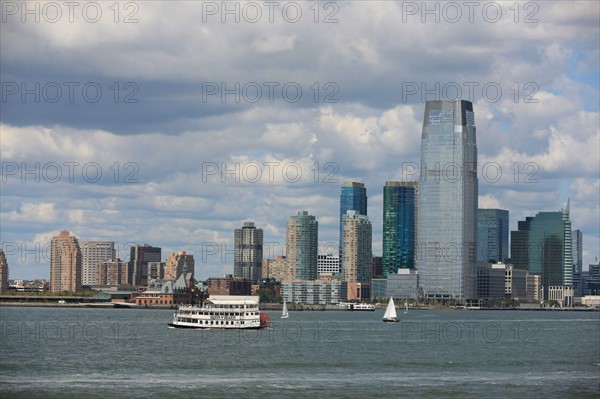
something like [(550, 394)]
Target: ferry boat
[(222, 311), (359, 306)]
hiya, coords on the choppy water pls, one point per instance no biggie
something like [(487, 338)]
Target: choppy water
[(102, 353)]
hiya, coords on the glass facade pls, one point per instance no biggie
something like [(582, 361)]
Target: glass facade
[(447, 220), (302, 238), (543, 246), (492, 235), (399, 222), (353, 197)]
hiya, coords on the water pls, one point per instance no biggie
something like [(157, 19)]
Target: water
[(102, 353)]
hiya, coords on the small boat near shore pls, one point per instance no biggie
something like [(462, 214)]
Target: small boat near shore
[(284, 312), (359, 306), (390, 312), (222, 311)]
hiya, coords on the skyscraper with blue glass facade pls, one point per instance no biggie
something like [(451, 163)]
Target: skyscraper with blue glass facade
[(353, 197), (399, 226), (447, 217), (543, 245), (492, 235)]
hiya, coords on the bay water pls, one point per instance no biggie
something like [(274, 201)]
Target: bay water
[(132, 353)]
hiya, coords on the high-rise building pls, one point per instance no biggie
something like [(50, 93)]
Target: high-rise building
[(353, 197), (577, 237), (111, 272), (447, 221), (92, 254), (543, 246), (140, 255), (156, 271), (65, 263), (357, 237), (377, 267), (277, 269), (492, 235), (399, 226), (302, 240), (328, 265), (178, 263), (248, 255), (3, 272)]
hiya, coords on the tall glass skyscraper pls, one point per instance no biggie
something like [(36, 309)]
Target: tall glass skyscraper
[(353, 197), (447, 217), (543, 246), (399, 222), (302, 240), (248, 255), (492, 235)]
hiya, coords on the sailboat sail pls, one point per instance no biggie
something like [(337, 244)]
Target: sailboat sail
[(284, 311), (390, 312)]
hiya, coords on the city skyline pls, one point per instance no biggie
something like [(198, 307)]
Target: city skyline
[(167, 157)]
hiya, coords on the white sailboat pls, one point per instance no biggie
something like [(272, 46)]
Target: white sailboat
[(390, 312), (284, 311), (405, 307)]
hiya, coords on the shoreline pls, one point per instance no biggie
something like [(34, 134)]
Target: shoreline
[(273, 307)]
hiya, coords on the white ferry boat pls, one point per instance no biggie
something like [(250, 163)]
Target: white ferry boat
[(222, 311), (359, 306)]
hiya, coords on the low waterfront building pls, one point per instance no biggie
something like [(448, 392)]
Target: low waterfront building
[(500, 281), (535, 290), (168, 292), (314, 292), (378, 288), (229, 285), (591, 300)]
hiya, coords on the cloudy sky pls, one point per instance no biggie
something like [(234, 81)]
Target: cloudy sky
[(172, 123)]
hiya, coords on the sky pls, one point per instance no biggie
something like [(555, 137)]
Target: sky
[(172, 123)]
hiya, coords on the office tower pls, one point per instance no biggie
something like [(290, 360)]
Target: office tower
[(140, 255), (577, 237), (178, 263), (492, 235), (357, 236), (447, 217), (3, 272), (302, 238), (399, 226), (543, 246), (248, 256), (92, 254), (65, 263), (353, 197), (328, 265)]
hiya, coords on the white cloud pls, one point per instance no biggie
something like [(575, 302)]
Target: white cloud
[(171, 136)]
